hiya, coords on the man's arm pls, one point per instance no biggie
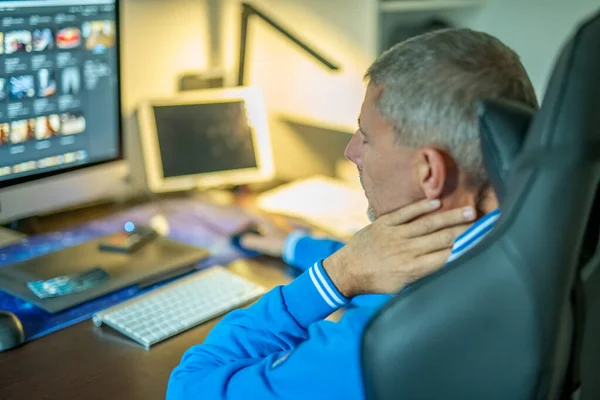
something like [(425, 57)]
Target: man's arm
[(298, 248), (276, 348), (267, 350)]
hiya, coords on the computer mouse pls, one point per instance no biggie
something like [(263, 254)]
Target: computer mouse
[(11, 331)]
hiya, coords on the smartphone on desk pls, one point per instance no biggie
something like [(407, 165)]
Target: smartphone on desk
[(130, 239)]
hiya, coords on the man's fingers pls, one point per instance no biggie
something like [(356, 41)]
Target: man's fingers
[(266, 245), (251, 241), (410, 212), (428, 264), (440, 240), (433, 223)]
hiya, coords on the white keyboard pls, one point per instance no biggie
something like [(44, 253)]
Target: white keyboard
[(178, 306)]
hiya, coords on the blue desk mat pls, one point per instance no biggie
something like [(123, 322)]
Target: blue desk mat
[(192, 222)]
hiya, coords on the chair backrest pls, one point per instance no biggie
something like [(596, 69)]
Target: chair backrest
[(517, 317), (503, 127)]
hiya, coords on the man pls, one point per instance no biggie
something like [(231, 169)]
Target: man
[(417, 153)]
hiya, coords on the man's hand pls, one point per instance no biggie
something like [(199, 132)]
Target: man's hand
[(396, 249), (271, 239)]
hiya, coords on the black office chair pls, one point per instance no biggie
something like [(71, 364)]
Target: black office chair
[(518, 316)]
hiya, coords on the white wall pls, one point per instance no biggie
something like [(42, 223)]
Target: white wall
[(160, 38), (296, 83), (535, 29)]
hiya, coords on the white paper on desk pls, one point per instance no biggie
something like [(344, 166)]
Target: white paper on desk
[(324, 202)]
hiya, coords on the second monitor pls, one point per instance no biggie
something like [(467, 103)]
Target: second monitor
[(205, 139)]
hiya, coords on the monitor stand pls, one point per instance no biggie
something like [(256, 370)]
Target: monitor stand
[(8, 236), (218, 196)]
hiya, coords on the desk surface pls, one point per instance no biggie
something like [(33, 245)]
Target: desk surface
[(86, 362)]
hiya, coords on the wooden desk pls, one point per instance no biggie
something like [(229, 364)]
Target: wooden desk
[(86, 362)]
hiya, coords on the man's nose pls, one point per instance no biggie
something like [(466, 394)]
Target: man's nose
[(352, 152)]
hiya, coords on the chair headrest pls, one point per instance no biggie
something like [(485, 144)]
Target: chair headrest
[(503, 127)]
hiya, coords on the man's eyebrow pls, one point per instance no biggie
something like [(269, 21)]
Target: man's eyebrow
[(361, 128)]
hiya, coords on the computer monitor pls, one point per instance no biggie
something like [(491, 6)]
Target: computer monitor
[(205, 139), (60, 136)]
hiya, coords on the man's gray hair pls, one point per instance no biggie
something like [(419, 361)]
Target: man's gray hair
[(431, 84)]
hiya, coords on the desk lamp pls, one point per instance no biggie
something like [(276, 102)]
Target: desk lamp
[(248, 11), (214, 78)]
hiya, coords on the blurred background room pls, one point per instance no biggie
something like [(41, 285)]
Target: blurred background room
[(140, 138)]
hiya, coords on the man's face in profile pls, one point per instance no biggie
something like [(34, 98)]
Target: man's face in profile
[(386, 169)]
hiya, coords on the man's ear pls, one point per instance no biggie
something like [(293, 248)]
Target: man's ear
[(435, 172)]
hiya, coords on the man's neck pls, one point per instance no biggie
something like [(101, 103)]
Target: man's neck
[(484, 201), (487, 201)]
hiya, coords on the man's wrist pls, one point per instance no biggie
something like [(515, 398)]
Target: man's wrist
[(288, 248), (338, 272)]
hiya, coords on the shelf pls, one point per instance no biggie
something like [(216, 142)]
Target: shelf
[(426, 5)]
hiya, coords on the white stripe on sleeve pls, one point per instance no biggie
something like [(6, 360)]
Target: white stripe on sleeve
[(327, 286), (320, 290)]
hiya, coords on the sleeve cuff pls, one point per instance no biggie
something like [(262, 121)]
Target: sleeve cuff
[(312, 296), (289, 246)]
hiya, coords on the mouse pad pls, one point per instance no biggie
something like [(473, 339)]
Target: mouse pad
[(193, 222), (161, 256)]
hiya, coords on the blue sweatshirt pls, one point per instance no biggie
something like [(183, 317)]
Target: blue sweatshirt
[(282, 346)]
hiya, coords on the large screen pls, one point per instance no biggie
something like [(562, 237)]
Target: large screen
[(59, 87)]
